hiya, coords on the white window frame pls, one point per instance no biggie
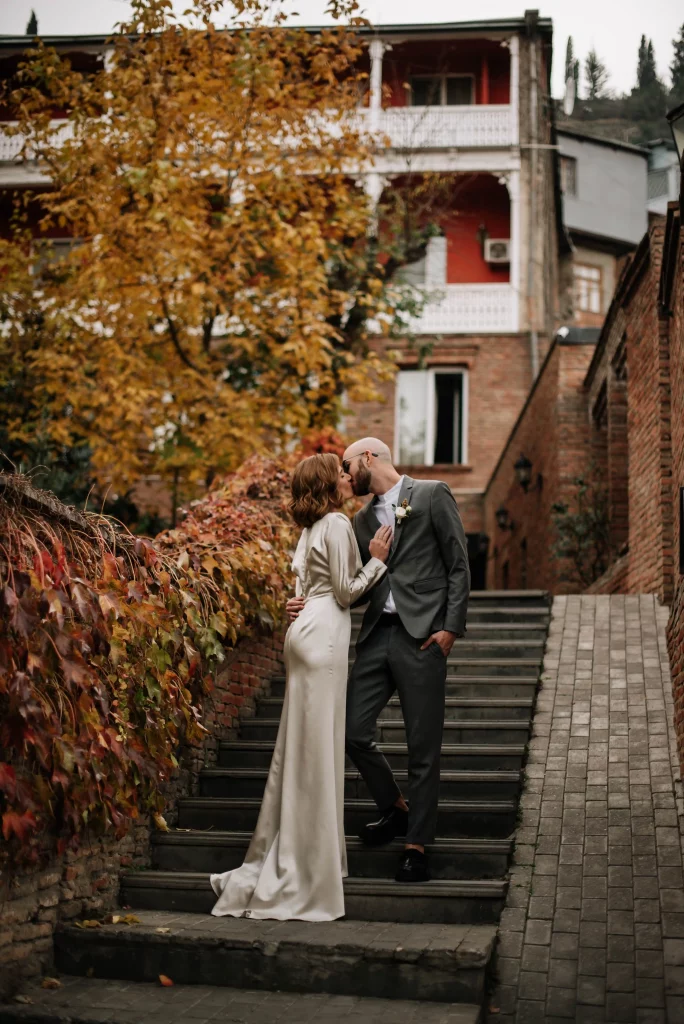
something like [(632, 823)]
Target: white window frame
[(43, 245), (431, 412), (442, 89), (589, 283), (570, 161)]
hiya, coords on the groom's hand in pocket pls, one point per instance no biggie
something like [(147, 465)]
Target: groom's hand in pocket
[(443, 638), (294, 607)]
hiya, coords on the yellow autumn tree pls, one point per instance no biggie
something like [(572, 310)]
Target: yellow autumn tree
[(209, 177)]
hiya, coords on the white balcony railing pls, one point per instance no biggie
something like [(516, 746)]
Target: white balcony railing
[(443, 127), (12, 145), (469, 309), (405, 127)]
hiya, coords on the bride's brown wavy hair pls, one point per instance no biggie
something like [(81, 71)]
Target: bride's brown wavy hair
[(315, 488)]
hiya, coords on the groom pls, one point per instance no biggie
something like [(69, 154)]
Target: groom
[(415, 613)]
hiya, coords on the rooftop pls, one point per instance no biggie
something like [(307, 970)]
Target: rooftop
[(600, 140), (494, 25)]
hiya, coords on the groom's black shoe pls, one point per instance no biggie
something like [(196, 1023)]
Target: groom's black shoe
[(393, 823), (413, 867)]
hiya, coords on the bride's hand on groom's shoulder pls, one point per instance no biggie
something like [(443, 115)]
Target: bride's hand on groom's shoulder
[(380, 546), (294, 607)]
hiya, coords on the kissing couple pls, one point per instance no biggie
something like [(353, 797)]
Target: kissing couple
[(405, 554)]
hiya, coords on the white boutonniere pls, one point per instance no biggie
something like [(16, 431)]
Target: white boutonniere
[(402, 512)]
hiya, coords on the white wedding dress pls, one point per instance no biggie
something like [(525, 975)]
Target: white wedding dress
[(297, 857)]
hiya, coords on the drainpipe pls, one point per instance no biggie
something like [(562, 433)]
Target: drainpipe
[(531, 19)]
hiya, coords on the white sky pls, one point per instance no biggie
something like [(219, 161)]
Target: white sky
[(613, 27)]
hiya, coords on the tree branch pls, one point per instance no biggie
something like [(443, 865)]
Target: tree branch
[(173, 334)]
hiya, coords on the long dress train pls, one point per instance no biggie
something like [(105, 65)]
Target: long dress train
[(297, 857)]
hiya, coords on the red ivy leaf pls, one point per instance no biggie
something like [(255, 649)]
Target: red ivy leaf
[(74, 672), (8, 780), (21, 825)]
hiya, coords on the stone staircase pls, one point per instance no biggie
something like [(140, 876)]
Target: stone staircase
[(431, 941)]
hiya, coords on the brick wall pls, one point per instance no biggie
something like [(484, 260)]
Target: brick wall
[(553, 431), (650, 568), (499, 380), (672, 322), (85, 883)]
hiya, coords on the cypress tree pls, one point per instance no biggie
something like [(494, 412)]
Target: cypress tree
[(32, 27), (571, 64), (677, 67), (596, 76)]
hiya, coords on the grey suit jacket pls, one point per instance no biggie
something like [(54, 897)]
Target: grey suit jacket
[(428, 563)]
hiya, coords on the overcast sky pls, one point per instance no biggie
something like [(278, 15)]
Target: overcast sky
[(613, 27)]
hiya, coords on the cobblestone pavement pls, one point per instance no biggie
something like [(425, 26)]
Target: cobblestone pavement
[(593, 929), (89, 1001)]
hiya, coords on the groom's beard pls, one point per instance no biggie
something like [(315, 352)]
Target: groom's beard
[(361, 482)]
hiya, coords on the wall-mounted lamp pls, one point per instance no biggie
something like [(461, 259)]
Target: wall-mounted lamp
[(482, 235), (523, 472), (503, 520)]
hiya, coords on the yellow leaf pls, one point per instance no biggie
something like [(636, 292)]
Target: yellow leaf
[(160, 822), (51, 983), (166, 982)]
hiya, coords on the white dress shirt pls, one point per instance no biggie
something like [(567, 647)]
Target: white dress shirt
[(385, 511)]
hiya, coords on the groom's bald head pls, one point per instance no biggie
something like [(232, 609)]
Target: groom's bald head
[(369, 464), (369, 444)]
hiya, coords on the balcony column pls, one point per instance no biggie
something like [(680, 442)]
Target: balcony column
[(512, 182), (373, 184), (376, 50), (514, 49)]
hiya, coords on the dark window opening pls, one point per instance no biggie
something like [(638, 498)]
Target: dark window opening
[(449, 396), (426, 92)]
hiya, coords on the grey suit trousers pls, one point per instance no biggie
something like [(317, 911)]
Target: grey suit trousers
[(390, 660)]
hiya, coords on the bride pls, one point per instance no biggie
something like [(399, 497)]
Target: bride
[(297, 857)]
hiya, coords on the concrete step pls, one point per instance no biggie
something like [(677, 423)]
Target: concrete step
[(454, 901), (516, 709), (455, 757), (392, 730), (456, 818), (463, 785), (488, 650), (86, 1000), (538, 615), (490, 631), (473, 687), (516, 598), (482, 671), (211, 852), (442, 963), (507, 599)]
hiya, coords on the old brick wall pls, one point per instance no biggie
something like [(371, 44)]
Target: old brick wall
[(499, 380), (554, 433), (673, 325), (648, 426), (85, 883)]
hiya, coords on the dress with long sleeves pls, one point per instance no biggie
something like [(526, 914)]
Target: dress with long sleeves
[(297, 857)]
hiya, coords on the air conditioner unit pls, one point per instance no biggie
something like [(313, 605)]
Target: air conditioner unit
[(497, 250)]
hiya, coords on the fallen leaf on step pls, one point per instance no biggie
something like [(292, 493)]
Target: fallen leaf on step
[(162, 931), (160, 822), (122, 919), (88, 924), (51, 983), (90, 973), (25, 1000), (166, 982)]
